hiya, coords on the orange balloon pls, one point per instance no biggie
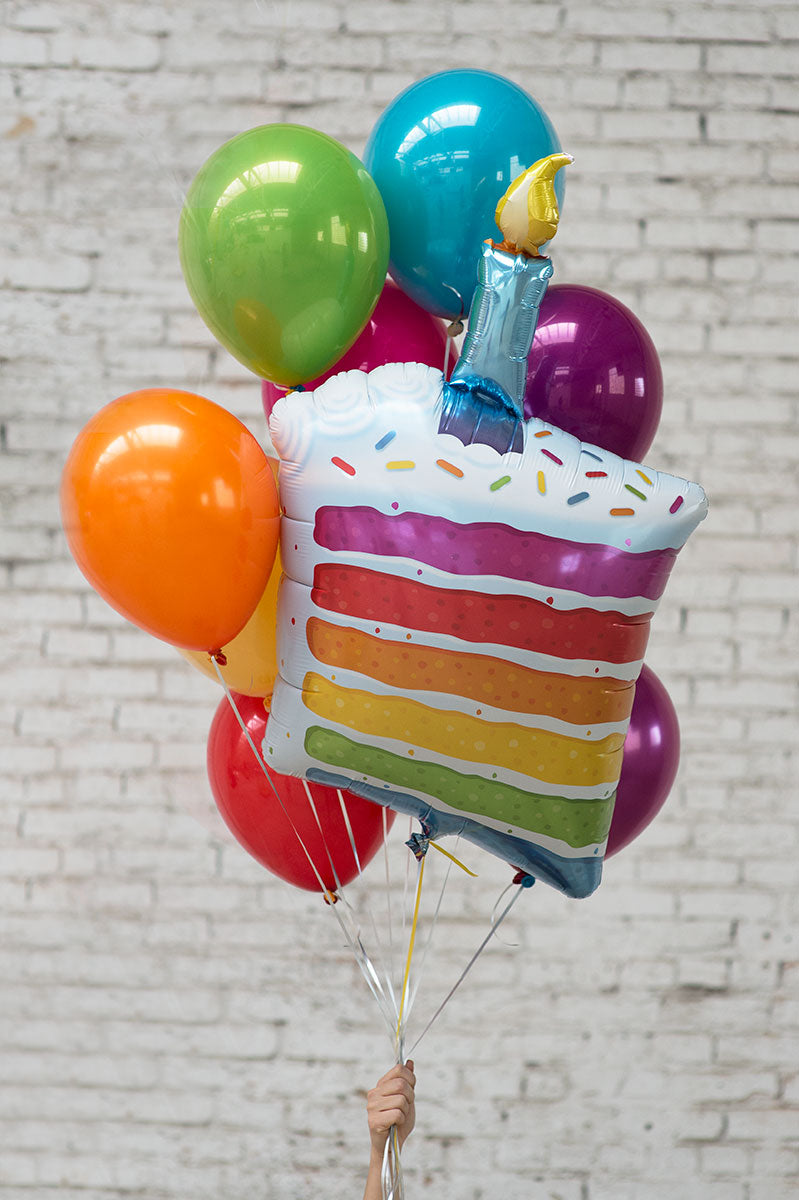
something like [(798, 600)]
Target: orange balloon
[(171, 512), (251, 665)]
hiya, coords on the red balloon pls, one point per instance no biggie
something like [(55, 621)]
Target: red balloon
[(397, 331), (259, 819), (649, 766), (594, 371)]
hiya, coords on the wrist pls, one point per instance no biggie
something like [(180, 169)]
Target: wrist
[(377, 1147)]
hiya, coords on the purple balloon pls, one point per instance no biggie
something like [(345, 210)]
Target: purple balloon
[(594, 371), (649, 766)]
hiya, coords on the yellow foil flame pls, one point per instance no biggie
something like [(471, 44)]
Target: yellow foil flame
[(528, 212)]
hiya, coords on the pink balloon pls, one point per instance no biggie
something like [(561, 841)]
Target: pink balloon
[(594, 371), (649, 767), (397, 331)]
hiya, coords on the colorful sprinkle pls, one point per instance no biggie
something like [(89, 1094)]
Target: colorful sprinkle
[(622, 512), (343, 466), (499, 483), (385, 439), (596, 474), (677, 504), (577, 498), (554, 457), (590, 455), (394, 504), (645, 478), (543, 433), (628, 541), (635, 491), (447, 466), (399, 464), (542, 483)]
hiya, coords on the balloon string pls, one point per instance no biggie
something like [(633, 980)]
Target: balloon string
[(384, 970), (325, 890), (351, 935), (500, 898), (469, 965), (336, 879), (389, 912), (411, 943), (429, 938), (350, 834), (391, 1176)]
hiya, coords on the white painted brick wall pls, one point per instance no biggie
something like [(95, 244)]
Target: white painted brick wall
[(173, 1021)]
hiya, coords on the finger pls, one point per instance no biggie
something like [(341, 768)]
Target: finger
[(392, 1104), (397, 1099), (389, 1119), (399, 1072), (397, 1086)]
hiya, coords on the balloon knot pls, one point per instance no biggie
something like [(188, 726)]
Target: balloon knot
[(524, 879), (219, 657), (417, 843), (455, 327), (330, 897)]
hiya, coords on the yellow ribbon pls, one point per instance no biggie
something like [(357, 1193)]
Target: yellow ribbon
[(457, 861), (411, 942)]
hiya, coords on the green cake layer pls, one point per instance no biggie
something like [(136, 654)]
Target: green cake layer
[(576, 822)]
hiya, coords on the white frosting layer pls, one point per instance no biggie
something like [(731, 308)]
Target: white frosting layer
[(350, 414)]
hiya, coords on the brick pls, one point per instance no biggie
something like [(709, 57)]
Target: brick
[(108, 53), (731, 24), (23, 50), (774, 59)]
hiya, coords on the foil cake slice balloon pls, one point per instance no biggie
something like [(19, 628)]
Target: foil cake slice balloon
[(459, 629)]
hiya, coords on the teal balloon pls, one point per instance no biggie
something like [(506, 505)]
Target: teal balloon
[(443, 154), (283, 243)]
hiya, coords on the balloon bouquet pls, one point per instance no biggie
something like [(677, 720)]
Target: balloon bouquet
[(469, 558)]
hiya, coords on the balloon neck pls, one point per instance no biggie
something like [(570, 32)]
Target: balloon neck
[(526, 881), (478, 411), (418, 843), (509, 248), (330, 897), (219, 657)]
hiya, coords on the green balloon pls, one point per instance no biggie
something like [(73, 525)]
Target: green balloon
[(283, 243)]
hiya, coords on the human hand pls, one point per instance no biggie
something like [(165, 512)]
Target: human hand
[(391, 1102)]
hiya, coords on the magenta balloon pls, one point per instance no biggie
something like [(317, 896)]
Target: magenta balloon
[(649, 766), (594, 371), (397, 331)]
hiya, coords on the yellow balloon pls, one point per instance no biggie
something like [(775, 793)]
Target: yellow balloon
[(251, 656)]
